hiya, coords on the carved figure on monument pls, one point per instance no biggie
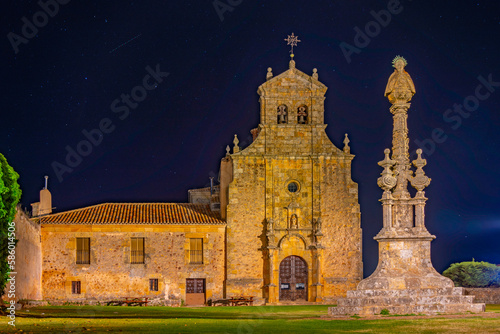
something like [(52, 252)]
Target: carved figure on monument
[(400, 87)]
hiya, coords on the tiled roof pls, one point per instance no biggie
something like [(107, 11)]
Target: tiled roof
[(136, 213)]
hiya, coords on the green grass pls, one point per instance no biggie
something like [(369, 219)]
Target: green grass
[(244, 319)]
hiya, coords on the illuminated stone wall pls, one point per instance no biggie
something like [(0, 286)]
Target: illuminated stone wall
[(28, 258), (110, 275)]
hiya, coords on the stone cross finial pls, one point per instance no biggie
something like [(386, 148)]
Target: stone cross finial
[(315, 73), (236, 148), (292, 40), (269, 74), (347, 149)]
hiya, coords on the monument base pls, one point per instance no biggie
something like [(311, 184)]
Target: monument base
[(405, 282), (408, 301)]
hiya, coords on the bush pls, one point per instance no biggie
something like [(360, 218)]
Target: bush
[(474, 274)]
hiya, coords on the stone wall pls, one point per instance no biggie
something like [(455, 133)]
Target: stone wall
[(110, 275), (245, 224), (28, 258), (484, 295), (340, 211)]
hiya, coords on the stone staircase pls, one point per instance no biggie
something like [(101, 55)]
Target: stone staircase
[(407, 301)]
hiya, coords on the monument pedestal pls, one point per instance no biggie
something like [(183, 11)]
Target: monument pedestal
[(405, 282), (406, 301)]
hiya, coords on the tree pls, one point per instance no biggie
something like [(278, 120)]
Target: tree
[(10, 193), (474, 274)]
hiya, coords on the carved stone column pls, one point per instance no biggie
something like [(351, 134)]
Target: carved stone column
[(405, 280)]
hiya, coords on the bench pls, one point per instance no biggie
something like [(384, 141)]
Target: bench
[(129, 301)]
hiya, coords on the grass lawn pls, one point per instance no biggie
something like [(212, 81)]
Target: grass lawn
[(243, 319)]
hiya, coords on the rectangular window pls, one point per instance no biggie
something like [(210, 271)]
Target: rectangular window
[(137, 250), (76, 287), (83, 250), (153, 284), (196, 251)]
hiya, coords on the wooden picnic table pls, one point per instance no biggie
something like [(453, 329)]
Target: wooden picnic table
[(129, 301), (222, 302), (241, 300)]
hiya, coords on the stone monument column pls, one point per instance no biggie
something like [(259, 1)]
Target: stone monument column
[(404, 281)]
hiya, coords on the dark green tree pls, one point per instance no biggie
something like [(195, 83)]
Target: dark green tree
[(10, 193), (474, 274)]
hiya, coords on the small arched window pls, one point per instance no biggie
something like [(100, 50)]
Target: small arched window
[(302, 114), (282, 114)]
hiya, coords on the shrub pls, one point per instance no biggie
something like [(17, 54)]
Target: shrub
[(474, 274)]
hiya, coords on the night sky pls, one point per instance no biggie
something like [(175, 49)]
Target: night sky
[(67, 79)]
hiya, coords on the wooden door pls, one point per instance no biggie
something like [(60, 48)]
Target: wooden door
[(195, 291), (293, 278)]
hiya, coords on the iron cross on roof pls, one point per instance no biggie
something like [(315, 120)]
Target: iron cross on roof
[(292, 40)]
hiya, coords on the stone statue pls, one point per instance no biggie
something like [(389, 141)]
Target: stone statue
[(270, 226), (400, 87), (318, 227), (294, 221)]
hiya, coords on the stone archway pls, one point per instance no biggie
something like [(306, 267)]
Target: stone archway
[(293, 278)]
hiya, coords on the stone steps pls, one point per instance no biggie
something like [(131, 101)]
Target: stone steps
[(406, 300), (411, 301), (406, 292), (407, 309)]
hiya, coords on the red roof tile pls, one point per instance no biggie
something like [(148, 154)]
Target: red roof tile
[(136, 213)]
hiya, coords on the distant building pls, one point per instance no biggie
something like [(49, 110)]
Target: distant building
[(282, 226)]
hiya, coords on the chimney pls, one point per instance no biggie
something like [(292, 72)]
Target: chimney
[(44, 207)]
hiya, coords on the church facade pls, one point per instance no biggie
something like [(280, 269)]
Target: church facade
[(282, 226)]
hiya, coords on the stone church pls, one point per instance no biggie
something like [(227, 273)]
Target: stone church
[(283, 225)]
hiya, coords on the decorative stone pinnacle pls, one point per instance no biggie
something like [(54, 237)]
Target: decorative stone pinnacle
[(387, 181), (269, 73), (228, 150), (236, 148), (420, 181), (347, 149), (315, 73)]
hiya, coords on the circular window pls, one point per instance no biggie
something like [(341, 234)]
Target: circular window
[(293, 187)]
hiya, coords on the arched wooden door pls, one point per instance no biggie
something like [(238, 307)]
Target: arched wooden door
[(293, 278)]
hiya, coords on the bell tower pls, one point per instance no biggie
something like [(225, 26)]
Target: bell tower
[(293, 219)]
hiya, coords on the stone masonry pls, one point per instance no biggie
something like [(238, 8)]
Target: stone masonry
[(28, 264), (111, 275)]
